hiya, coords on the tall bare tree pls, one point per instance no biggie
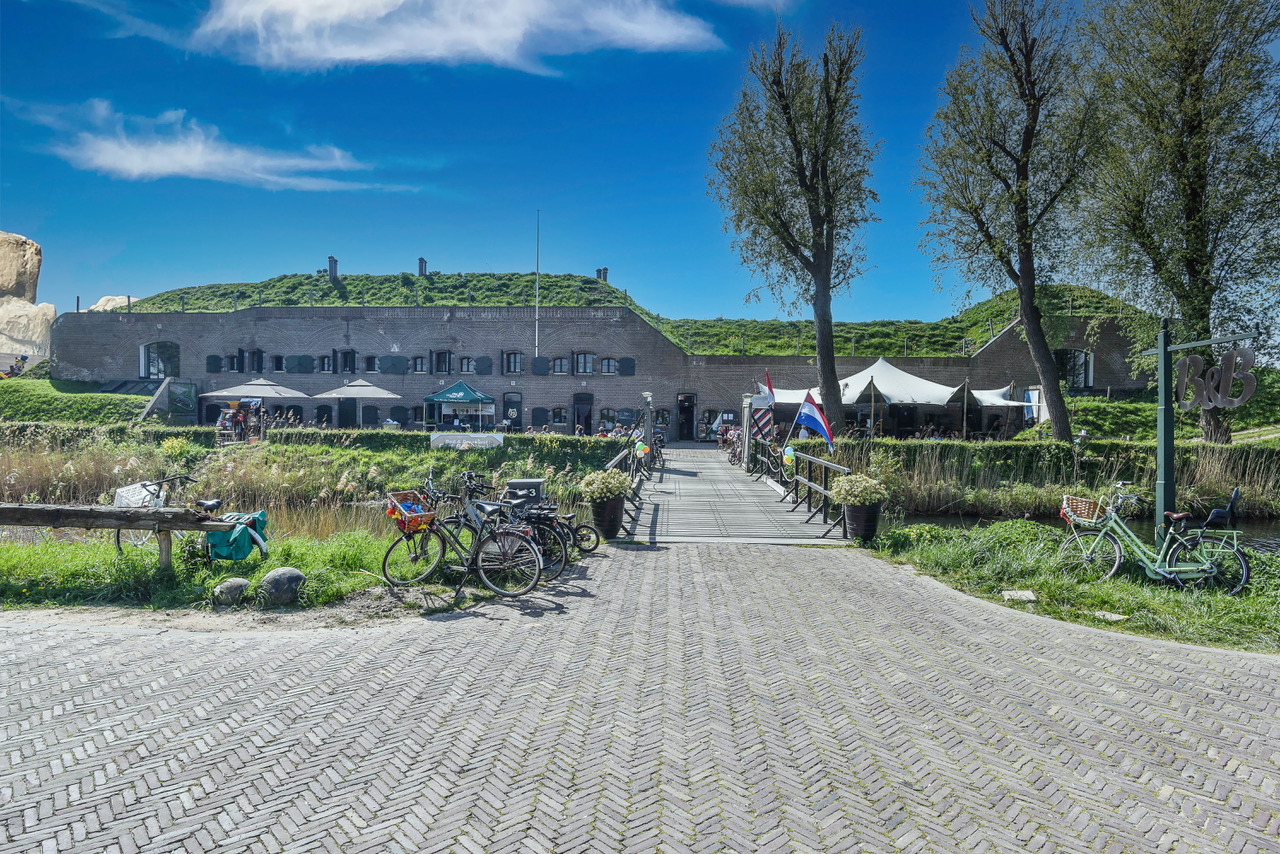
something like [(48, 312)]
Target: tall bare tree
[(790, 167), (1004, 155), (1185, 207)]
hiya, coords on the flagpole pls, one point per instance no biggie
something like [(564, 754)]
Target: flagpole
[(537, 278)]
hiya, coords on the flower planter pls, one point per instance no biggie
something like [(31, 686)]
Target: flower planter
[(607, 514), (861, 521)]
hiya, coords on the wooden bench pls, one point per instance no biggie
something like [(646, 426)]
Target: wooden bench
[(163, 521)]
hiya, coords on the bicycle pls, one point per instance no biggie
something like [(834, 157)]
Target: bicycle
[(234, 545), (1206, 557), (147, 493), (505, 560)]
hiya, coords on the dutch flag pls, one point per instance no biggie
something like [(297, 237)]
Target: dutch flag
[(769, 391), (811, 416)]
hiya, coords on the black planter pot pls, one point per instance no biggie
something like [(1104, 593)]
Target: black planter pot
[(607, 515), (861, 521)]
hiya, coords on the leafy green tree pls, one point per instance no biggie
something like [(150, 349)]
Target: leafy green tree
[(790, 167), (1003, 156), (1185, 208)]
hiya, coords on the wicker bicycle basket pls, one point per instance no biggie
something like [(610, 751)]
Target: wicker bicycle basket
[(409, 510), (1082, 511)]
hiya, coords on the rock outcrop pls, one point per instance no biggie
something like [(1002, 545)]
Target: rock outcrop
[(19, 267), (25, 328), (108, 303)]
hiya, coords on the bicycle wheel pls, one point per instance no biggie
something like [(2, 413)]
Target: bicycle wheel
[(555, 551), (508, 563), (587, 537), (136, 539), (411, 558), (1090, 555), (1228, 570)]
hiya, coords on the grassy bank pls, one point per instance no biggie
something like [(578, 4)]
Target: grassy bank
[(26, 399), (1018, 555), (90, 572), (1029, 478)]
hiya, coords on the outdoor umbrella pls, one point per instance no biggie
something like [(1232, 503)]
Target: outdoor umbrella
[(262, 388), (358, 391)]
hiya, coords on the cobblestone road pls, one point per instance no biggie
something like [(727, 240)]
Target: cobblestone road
[(697, 697)]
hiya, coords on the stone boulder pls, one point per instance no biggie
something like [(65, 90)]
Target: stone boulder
[(280, 587), (231, 591), (108, 303), (19, 267), (24, 327)]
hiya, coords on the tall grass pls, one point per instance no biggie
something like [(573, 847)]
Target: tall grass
[(1019, 555)]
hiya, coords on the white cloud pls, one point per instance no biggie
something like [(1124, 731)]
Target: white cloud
[(94, 137), (314, 34)]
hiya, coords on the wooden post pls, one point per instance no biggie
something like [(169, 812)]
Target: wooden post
[(165, 539)]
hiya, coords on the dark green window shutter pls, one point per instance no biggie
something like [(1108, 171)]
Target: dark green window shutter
[(484, 365), (393, 365), (540, 416), (213, 364), (431, 361), (240, 360), (299, 364), (626, 367), (541, 367), (334, 367)]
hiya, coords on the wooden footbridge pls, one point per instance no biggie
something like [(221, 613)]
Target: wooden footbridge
[(699, 497)]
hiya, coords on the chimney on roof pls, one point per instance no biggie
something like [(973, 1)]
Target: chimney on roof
[(598, 271), (422, 266), (333, 269), (604, 275)]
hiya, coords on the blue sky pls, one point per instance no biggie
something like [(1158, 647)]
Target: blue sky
[(155, 145)]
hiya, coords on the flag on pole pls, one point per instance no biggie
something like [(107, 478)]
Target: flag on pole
[(762, 424), (811, 416), (769, 383)]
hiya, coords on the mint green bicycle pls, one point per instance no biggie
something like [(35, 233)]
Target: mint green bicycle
[(1203, 557)]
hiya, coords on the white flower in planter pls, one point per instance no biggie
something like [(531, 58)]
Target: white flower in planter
[(857, 490)]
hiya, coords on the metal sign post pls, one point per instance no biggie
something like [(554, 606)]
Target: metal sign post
[(1213, 390)]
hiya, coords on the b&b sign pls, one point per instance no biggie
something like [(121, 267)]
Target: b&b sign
[(1213, 389)]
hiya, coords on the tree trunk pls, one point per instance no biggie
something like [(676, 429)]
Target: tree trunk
[(1041, 355), (828, 382)]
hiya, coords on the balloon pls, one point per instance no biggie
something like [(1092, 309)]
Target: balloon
[(788, 459), (645, 450), (788, 450)]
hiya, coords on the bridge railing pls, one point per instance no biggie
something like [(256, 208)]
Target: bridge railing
[(812, 477)]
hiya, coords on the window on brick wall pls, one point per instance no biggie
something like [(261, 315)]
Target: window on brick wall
[(370, 364), (608, 366), (420, 364), (467, 365), (277, 364), (514, 362), (1075, 367), (444, 362), (559, 415), (159, 360), (560, 366), (326, 364)]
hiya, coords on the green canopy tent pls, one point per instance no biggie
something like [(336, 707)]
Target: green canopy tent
[(463, 403)]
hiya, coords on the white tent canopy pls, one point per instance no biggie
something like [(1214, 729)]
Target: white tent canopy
[(891, 384), (263, 388)]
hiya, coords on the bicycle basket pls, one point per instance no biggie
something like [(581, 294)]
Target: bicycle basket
[(409, 510), (1081, 511)]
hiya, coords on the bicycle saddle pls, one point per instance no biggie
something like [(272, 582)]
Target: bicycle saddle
[(209, 506), (488, 508), (1174, 517)]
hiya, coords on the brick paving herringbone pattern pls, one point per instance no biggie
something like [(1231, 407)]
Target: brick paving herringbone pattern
[(692, 698)]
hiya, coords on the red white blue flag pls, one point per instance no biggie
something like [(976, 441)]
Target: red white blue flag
[(769, 385), (811, 416)]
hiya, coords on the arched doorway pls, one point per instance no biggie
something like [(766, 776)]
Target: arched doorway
[(369, 416), (211, 413), (324, 415)]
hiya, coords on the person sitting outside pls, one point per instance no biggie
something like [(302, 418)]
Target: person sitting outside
[(578, 431)]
